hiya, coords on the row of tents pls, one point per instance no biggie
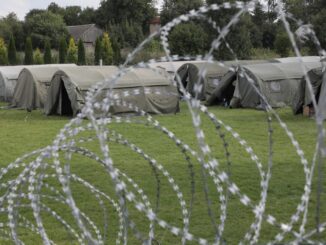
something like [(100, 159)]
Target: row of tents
[(281, 82), (61, 89)]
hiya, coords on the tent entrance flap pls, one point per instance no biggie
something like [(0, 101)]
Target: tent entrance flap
[(64, 101), (58, 101)]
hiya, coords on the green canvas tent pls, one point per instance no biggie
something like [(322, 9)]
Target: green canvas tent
[(211, 74), (141, 87), (304, 59), (172, 67), (8, 81), (278, 82), (32, 84), (317, 78)]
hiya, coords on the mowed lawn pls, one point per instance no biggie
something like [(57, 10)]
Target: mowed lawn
[(22, 132)]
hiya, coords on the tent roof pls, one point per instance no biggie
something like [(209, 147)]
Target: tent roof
[(210, 68), (11, 72), (82, 77), (85, 77), (41, 74), (279, 71), (296, 59), (219, 67), (173, 66)]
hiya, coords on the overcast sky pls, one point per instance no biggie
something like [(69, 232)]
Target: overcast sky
[(21, 7)]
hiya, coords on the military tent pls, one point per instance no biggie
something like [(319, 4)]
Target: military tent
[(278, 82), (317, 78), (172, 67), (304, 59), (8, 81), (210, 73), (32, 84), (140, 87)]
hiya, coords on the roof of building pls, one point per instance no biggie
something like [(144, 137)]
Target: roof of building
[(77, 31)]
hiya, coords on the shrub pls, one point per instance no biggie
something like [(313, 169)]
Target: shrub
[(72, 52), (3, 53), (107, 51), (38, 59)]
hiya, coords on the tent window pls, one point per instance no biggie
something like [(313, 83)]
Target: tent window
[(214, 81), (275, 87)]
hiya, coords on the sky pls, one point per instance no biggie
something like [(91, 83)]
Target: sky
[(22, 7)]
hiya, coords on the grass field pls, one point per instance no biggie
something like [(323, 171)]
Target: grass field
[(22, 132)]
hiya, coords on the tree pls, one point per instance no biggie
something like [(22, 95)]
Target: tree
[(11, 26), (88, 15), (47, 52), (56, 9), (107, 51), (282, 44), (3, 53), (38, 59), (72, 52), (238, 37), (174, 8), (138, 12), (28, 52), (133, 34), (63, 51), (318, 22), (116, 52), (12, 54), (98, 51), (188, 39), (71, 16), (81, 53), (43, 25)]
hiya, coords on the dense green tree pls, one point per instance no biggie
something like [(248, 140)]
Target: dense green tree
[(174, 8), (282, 44), (118, 11), (72, 52), (87, 16), (10, 25), (12, 54), (318, 19), (107, 51), (117, 31), (63, 50), (3, 53), (44, 25), (56, 9), (47, 52), (116, 52), (81, 53), (188, 39), (38, 58), (28, 60), (239, 36), (71, 15), (98, 51), (133, 34)]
